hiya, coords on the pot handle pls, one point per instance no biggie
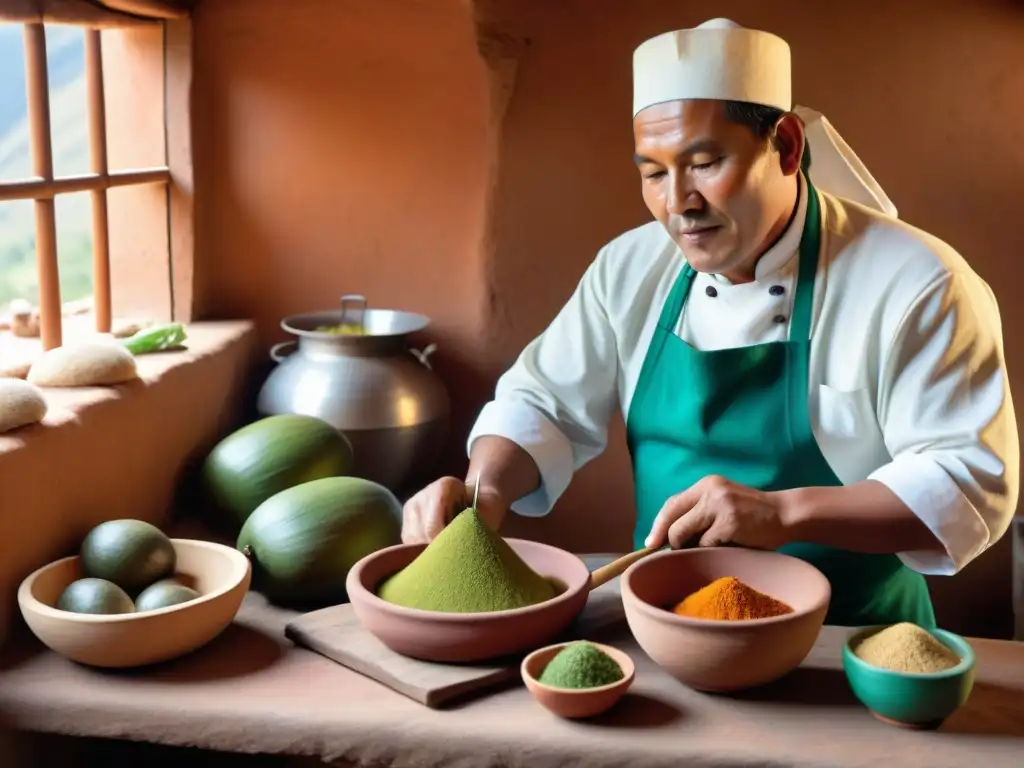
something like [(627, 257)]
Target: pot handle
[(275, 351), (424, 355)]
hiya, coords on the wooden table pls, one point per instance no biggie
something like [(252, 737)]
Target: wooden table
[(251, 691)]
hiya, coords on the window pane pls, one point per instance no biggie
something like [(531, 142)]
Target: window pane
[(69, 126), (15, 160), (18, 278), (18, 253), (74, 245), (69, 119)]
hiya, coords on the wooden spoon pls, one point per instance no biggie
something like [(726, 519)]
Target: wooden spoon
[(606, 573)]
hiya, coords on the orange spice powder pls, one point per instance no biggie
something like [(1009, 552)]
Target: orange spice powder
[(729, 599)]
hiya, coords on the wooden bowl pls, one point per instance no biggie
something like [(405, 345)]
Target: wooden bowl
[(719, 656), (219, 573), (576, 703), (465, 637)]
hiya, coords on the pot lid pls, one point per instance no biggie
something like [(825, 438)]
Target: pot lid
[(353, 320)]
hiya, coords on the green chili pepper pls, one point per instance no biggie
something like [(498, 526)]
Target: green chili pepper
[(156, 339)]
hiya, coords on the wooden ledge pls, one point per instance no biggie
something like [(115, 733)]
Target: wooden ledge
[(70, 405)]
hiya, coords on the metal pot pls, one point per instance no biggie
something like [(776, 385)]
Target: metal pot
[(380, 393)]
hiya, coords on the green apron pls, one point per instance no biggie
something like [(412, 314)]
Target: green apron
[(742, 413)]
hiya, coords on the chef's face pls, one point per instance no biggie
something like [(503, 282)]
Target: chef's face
[(723, 193)]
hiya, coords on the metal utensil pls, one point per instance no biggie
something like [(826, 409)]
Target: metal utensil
[(353, 312)]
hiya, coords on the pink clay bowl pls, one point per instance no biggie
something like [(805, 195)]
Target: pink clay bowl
[(468, 637), (573, 703), (721, 656)]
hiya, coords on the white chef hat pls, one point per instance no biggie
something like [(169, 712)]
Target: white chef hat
[(721, 60)]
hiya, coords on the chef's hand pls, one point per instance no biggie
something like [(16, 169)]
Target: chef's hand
[(721, 512), (427, 513)]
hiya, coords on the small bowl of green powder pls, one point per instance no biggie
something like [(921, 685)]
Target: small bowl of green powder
[(578, 679), (909, 676)]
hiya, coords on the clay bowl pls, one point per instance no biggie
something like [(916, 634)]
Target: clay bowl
[(575, 703), (721, 656), (915, 701), (219, 573), (467, 637)]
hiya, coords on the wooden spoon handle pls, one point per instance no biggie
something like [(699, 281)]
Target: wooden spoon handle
[(606, 573)]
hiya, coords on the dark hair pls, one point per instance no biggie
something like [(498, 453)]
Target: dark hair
[(756, 117)]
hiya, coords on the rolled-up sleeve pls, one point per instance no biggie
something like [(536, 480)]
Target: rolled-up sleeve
[(948, 419), (557, 399)]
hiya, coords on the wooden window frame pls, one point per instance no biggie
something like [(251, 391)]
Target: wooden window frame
[(43, 187)]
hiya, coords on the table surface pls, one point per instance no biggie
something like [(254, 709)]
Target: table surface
[(250, 690)]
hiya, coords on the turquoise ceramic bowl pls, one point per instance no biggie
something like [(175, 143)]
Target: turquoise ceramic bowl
[(911, 700)]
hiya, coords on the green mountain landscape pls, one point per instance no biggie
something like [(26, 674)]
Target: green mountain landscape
[(69, 135)]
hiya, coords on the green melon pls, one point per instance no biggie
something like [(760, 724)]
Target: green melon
[(271, 455), (131, 553), (162, 594), (302, 541), (91, 595)]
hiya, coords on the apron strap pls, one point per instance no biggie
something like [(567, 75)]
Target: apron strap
[(810, 243), (674, 304)]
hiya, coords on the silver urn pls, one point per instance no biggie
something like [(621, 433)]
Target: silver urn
[(369, 384)]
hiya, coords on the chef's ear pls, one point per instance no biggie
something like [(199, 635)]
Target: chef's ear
[(788, 140)]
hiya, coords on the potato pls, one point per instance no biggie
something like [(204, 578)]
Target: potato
[(21, 404), (84, 365)]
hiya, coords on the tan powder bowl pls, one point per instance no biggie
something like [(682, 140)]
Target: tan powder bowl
[(466, 637), (720, 656), (219, 573)]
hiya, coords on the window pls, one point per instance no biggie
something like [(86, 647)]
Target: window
[(83, 168)]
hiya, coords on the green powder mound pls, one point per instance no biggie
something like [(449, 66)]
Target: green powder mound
[(581, 665), (468, 568)]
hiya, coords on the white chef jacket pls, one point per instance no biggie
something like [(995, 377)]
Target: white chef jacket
[(907, 386)]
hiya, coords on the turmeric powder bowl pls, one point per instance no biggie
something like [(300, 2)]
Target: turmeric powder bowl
[(721, 655)]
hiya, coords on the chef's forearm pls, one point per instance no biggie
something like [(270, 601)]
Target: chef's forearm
[(864, 517), (507, 472)]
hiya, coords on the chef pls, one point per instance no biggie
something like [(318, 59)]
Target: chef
[(799, 370)]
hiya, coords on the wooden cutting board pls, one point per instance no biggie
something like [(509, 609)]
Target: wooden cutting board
[(336, 633)]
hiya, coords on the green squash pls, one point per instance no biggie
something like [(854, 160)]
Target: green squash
[(303, 541), (269, 456)]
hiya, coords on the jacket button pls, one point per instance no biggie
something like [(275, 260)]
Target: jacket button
[(779, 319), (710, 291), (776, 290)]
